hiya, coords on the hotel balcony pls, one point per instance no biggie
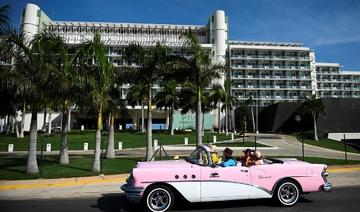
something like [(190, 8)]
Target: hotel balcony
[(270, 87), (267, 77), (268, 67), (267, 57), (271, 98)]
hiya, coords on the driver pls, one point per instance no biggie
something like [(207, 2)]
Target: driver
[(228, 158)]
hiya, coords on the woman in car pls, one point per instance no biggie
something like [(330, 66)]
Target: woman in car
[(258, 158), (246, 160), (214, 155)]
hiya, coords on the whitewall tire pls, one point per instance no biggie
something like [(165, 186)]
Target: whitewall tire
[(159, 198), (287, 193)]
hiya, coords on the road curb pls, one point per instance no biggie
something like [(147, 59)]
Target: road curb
[(63, 182)]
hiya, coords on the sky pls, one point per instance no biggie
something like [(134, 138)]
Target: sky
[(329, 27)]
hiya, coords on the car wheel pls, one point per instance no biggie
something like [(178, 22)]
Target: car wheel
[(159, 198), (287, 193)]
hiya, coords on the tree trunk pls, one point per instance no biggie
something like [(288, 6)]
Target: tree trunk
[(315, 128), (97, 150), (22, 124), (253, 118), (149, 150), (219, 119), (171, 121), (226, 120), (110, 150), (7, 125), (198, 118), (50, 121), (17, 129), (13, 124), (69, 120), (64, 155), (142, 117), (32, 166), (44, 120)]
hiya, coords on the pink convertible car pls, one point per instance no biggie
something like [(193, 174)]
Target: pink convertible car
[(158, 183)]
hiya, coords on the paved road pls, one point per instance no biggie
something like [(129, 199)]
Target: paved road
[(340, 199)]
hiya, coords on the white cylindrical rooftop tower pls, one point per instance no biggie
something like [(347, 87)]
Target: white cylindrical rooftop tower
[(30, 21), (220, 36)]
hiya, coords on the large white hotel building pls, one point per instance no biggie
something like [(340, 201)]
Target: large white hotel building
[(270, 72)]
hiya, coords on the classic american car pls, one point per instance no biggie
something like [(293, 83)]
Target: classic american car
[(196, 179)]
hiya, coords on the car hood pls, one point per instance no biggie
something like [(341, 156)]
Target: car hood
[(165, 164)]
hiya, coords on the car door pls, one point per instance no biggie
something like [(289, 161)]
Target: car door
[(224, 183), (263, 180)]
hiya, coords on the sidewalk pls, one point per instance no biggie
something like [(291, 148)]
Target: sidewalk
[(340, 176)]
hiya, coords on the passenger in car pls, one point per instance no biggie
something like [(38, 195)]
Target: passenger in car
[(257, 158), (228, 158), (214, 155), (246, 159)]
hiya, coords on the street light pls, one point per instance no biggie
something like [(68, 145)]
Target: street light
[(298, 120)]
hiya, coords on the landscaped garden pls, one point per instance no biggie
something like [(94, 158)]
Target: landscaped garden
[(325, 143)]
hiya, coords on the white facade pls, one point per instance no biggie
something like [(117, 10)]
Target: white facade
[(334, 83), (269, 72)]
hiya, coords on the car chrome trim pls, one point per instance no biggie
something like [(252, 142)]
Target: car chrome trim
[(327, 187), (221, 181), (131, 189)]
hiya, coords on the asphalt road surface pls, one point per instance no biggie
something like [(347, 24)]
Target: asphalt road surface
[(340, 199)]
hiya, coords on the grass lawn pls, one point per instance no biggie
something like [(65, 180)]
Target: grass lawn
[(14, 168), (76, 140), (326, 143)]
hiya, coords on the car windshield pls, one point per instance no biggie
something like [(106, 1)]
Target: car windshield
[(199, 156)]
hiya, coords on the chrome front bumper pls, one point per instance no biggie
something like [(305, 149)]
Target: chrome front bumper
[(133, 194), (327, 187)]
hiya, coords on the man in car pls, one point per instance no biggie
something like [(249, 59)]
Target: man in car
[(228, 158)]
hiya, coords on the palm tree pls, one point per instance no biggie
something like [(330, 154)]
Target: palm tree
[(200, 72), (114, 103), (250, 102), (136, 95), (4, 19), (67, 80), (188, 101), (229, 103), (146, 67), (30, 75), (168, 98), (217, 98), (315, 106), (101, 75)]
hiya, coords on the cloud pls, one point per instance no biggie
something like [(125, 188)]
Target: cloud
[(332, 41)]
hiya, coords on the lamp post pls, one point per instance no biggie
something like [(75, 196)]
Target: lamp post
[(298, 120)]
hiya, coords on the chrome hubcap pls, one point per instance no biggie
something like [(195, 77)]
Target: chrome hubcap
[(159, 200), (288, 193)]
